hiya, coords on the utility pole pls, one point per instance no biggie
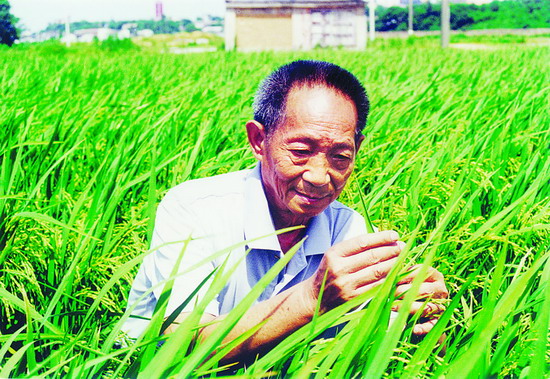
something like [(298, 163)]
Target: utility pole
[(411, 17), (445, 23), (67, 32), (371, 19)]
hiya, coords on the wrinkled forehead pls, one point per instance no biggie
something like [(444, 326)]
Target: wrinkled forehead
[(316, 100)]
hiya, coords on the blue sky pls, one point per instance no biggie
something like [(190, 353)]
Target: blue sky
[(35, 15)]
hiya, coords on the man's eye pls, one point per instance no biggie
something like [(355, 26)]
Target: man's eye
[(300, 152), (342, 157)]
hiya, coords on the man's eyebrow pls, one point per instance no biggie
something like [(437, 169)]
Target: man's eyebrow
[(343, 146), (313, 142), (302, 139)]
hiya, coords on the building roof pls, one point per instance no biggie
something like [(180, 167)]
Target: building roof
[(292, 3), (267, 2)]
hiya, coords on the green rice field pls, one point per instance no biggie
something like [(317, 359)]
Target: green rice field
[(456, 158)]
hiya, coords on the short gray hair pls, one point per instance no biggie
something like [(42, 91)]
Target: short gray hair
[(270, 101)]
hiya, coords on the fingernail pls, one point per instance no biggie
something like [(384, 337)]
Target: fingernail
[(393, 235)]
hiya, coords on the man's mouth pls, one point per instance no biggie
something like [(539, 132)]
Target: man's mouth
[(311, 198)]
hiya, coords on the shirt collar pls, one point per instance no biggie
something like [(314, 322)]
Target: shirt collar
[(257, 218), (318, 234), (258, 222)]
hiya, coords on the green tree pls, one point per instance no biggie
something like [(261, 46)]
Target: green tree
[(8, 32), (392, 18), (510, 14), (188, 25), (59, 28)]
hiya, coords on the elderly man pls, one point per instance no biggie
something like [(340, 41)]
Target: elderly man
[(307, 129)]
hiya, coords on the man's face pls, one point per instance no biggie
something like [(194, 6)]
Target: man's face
[(309, 158)]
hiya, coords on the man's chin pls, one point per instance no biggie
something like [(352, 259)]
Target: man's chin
[(307, 211)]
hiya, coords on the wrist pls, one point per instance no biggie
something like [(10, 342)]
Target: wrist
[(308, 298)]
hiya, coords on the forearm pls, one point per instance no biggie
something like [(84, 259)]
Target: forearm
[(280, 315)]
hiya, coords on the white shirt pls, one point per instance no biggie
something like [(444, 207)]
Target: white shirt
[(219, 212)]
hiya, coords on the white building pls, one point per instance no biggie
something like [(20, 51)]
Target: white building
[(295, 24)]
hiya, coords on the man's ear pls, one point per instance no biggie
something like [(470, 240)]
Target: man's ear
[(359, 142), (256, 138)]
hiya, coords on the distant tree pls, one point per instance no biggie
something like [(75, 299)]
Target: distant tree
[(461, 16), (8, 31), (166, 27), (217, 21), (86, 25), (188, 25), (392, 18), (163, 26), (427, 17), (508, 14), (58, 28)]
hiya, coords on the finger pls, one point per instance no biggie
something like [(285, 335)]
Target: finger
[(428, 309), (366, 241), (373, 256), (424, 328), (372, 275), (432, 275), (428, 290)]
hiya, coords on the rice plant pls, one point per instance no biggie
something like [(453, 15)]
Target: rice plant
[(456, 158)]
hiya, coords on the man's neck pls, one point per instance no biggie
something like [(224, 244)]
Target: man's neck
[(289, 239), (286, 219)]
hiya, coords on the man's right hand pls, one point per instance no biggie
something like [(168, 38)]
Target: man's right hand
[(355, 266)]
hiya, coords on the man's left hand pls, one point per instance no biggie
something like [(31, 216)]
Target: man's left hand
[(433, 289)]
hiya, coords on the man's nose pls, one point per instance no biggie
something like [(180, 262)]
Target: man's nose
[(317, 172)]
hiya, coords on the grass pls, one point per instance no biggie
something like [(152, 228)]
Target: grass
[(165, 42), (455, 157), (482, 41)]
